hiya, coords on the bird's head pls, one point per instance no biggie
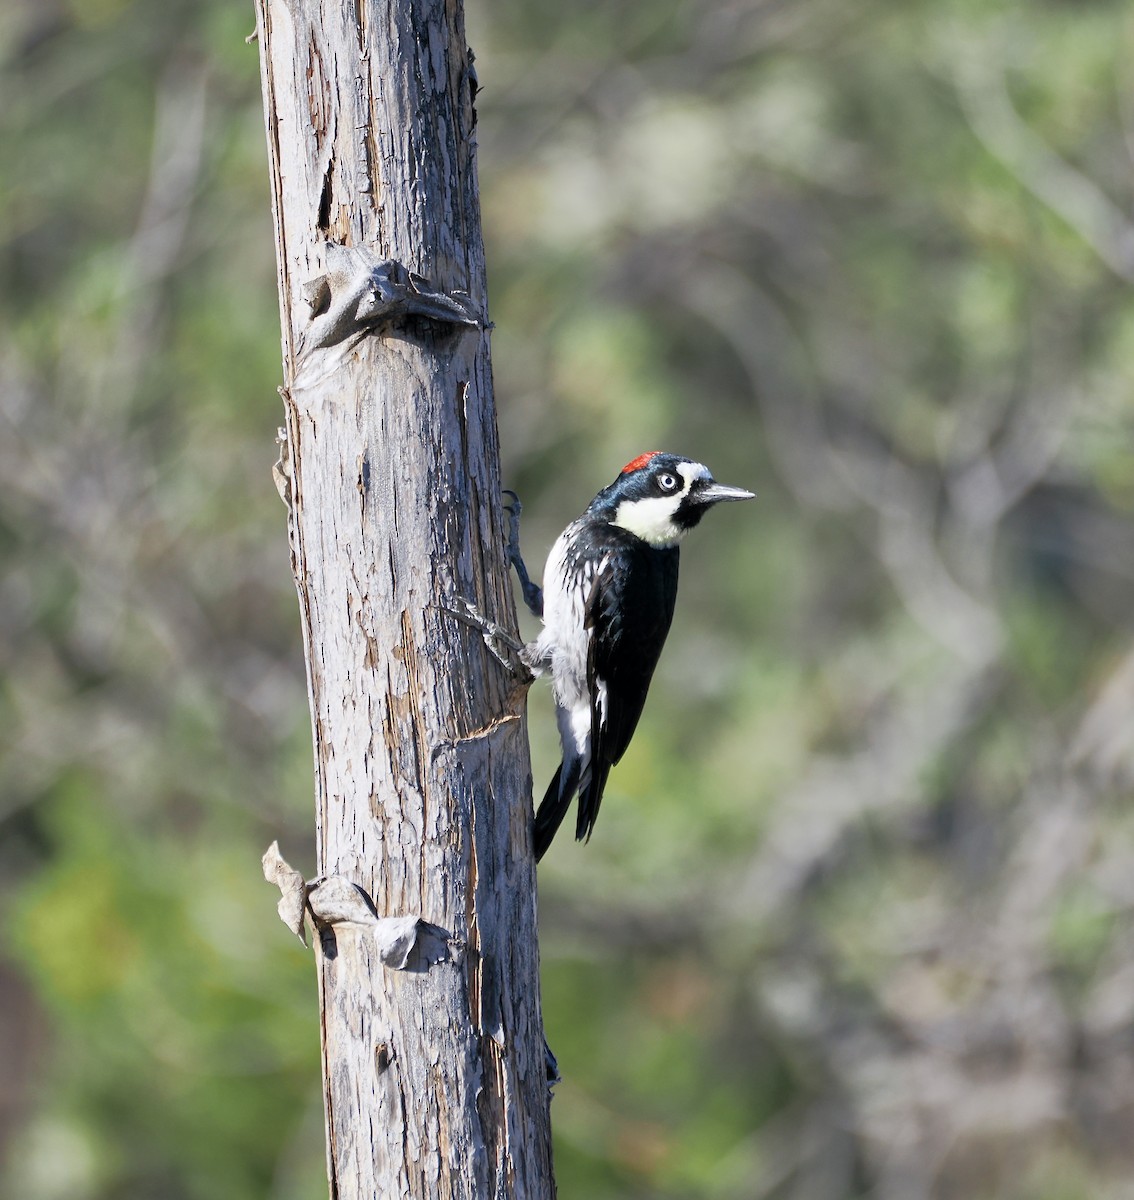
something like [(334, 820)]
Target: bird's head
[(659, 497)]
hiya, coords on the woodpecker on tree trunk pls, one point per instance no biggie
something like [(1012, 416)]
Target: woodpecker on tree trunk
[(609, 589)]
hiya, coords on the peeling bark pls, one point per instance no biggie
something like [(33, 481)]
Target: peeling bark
[(433, 1059)]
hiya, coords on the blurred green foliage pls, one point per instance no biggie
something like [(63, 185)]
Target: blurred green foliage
[(856, 918)]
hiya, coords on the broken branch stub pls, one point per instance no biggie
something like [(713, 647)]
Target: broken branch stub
[(335, 901), (293, 897), (362, 293)]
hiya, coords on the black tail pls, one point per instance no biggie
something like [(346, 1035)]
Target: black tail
[(553, 808), (590, 797), (557, 800)]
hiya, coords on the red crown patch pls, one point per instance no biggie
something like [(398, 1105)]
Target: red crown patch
[(636, 464)]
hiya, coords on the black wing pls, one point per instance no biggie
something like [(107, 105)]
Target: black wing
[(628, 616)]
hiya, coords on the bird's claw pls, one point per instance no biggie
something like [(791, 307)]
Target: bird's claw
[(532, 592), (494, 635)]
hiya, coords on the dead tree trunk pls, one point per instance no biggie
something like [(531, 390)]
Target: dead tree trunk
[(432, 1038)]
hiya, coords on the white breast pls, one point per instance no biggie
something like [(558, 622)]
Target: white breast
[(564, 641)]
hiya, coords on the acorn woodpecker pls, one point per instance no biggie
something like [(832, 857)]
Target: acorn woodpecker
[(607, 601)]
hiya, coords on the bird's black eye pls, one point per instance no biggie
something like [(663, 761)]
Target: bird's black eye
[(667, 482)]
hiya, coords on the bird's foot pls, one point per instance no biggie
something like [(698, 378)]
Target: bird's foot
[(533, 593), (495, 637)]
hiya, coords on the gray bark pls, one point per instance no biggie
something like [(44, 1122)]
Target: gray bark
[(433, 1058)]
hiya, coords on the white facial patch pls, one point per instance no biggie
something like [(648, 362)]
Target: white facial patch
[(690, 471), (651, 519)]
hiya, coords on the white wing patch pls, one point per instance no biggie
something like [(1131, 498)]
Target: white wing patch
[(600, 699)]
